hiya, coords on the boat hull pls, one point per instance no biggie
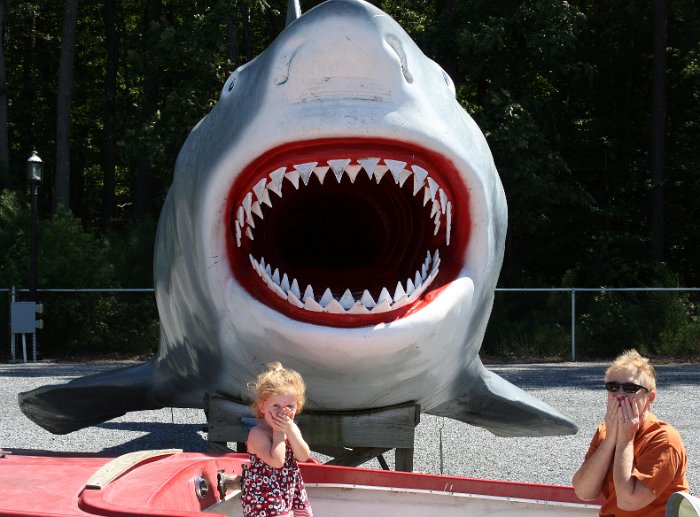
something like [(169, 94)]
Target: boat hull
[(160, 483)]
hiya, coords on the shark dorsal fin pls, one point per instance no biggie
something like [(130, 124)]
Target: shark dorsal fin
[(293, 12)]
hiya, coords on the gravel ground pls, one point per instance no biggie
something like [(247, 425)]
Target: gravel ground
[(442, 445)]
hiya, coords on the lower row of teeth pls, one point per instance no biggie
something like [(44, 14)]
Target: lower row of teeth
[(405, 292)]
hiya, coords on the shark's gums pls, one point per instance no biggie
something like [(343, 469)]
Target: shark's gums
[(337, 211)]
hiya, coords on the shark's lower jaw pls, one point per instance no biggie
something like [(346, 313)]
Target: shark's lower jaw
[(347, 233)]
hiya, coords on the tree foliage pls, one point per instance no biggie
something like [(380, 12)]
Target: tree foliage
[(561, 89)]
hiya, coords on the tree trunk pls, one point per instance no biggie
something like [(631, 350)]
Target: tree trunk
[(232, 29), (247, 33), (4, 140), (27, 96), (63, 106), (658, 129), (109, 158), (143, 172), (447, 57)]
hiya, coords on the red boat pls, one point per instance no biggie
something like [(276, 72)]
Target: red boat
[(172, 483), (176, 484)]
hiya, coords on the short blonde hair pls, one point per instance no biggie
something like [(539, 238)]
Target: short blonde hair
[(632, 360), (274, 381)]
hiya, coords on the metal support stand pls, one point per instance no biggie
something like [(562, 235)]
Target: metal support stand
[(13, 352)]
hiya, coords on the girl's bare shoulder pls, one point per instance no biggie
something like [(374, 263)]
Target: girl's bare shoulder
[(258, 436)]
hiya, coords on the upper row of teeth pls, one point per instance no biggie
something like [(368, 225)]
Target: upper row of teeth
[(375, 168), (405, 292)]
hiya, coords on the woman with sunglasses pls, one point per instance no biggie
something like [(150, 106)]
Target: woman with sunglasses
[(635, 461)]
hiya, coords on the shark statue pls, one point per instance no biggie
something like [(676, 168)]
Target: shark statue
[(337, 211)]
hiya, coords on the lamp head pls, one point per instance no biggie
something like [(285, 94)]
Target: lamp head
[(34, 165)]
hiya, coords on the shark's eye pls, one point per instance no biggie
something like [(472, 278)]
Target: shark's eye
[(230, 83)]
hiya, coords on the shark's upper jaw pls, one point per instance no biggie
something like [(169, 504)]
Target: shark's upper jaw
[(347, 232)]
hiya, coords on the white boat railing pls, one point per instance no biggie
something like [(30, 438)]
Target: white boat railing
[(682, 504)]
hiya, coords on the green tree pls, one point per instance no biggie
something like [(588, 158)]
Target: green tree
[(4, 142)]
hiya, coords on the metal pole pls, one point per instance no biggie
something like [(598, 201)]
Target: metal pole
[(34, 177), (34, 346), (33, 258), (13, 356), (573, 324), (34, 191)]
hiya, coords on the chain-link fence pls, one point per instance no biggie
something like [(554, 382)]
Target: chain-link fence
[(89, 322), (537, 324), (585, 323)]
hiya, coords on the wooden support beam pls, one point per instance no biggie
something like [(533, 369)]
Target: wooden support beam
[(367, 432), (403, 459)]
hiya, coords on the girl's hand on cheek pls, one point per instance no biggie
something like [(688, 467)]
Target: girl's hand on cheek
[(281, 422)]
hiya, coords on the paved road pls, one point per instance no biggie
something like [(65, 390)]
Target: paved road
[(442, 445)]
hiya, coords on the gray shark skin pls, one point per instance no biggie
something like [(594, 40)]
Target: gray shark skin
[(337, 211)]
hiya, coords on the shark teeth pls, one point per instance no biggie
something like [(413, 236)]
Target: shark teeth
[(349, 302), (357, 300), (424, 187)]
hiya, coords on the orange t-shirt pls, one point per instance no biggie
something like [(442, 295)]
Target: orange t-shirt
[(660, 463)]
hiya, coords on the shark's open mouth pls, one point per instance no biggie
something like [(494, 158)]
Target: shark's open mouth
[(346, 233)]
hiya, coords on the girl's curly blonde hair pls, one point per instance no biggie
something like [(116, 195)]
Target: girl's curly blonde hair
[(274, 381)]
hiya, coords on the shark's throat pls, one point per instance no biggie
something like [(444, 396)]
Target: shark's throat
[(344, 232)]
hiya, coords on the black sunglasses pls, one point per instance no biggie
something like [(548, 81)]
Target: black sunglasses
[(627, 387)]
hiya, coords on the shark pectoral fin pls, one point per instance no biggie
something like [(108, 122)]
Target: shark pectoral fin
[(491, 402), (87, 401)]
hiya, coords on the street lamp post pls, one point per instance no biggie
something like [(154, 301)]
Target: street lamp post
[(34, 165)]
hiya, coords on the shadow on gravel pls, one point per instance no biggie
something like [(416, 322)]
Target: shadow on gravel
[(157, 436), (552, 376), (681, 375), (55, 370), (588, 376)]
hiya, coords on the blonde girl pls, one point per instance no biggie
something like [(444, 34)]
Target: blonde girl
[(273, 485)]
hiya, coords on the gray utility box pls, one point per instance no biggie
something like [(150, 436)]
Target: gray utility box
[(23, 317)]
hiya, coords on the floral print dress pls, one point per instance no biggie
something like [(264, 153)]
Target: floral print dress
[(269, 492)]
